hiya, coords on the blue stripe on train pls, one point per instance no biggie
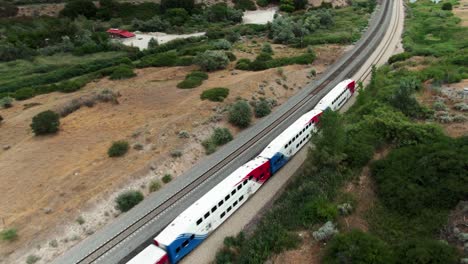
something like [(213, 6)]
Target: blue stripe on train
[(192, 243), (277, 161)]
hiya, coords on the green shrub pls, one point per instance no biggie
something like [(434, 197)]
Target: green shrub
[(209, 145), (32, 259), (399, 57), (426, 251), (231, 56), (167, 178), (189, 83), (185, 4), (127, 200), (24, 93), (357, 247), (287, 5), (7, 9), (154, 186), (240, 114), (211, 60), (447, 6), (118, 149), (80, 220), (198, 74), (222, 44), (76, 8), (46, 122), (6, 102), (262, 108), (263, 3), (266, 48), (245, 5), (9, 234), (123, 71), (221, 136), (215, 94)]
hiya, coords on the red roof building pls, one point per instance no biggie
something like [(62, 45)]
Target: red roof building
[(118, 33)]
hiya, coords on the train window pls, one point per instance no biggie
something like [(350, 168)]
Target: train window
[(207, 214), (262, 175), (245, 182), (229, 208), (220, 203), (227, 197), (297, 145), (185, 243), (233, 192), (222, 215), (239, 186), (234, 204), (199, 221), (192, 236), (177, 250), (213, 209), (250, 177), (240, 198)]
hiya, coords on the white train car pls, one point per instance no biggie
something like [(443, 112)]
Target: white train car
[(193, 225), (150, 255), (291, 140), (337, 97)]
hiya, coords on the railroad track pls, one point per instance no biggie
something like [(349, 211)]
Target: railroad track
[(141, 222)]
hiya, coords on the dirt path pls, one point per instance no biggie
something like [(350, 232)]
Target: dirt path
[(48, 182)]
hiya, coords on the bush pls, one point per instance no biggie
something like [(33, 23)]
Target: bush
[(221, 136), (32, 259), (215, 94), (209, 145), (76, 8), (9, 234), (154, 186), (426, 251), (189, 83), (123, 71), (127, 200), (198, 74), (24, 93), (7, 9), (185, 4), (118, 149), (262, 108), (447, 6), (263, 3), (222, 44), (231, 56), (357, 247), (240, 114), (287, 5), (211, 60), (220, 12), (245, 5), (267, 48), (6, 102), (167, 178), (46, 122)]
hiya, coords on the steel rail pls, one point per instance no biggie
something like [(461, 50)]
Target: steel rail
[(119, 237)]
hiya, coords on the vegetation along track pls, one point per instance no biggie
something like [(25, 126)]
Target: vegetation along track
[(130, 229)]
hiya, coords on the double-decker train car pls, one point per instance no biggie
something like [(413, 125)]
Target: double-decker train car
[(193, 225), (338, 96), (291, 140)]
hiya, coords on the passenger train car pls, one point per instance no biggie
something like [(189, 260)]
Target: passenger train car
[(193, 225)]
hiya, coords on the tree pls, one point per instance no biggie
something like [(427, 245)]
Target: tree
[(403, 97), (357, 247), (282, 30), (79, 7), (244, 5), (118, 148), (176, 16), (211, 60), (128, 200), (300, 4), (46, 122), (287, 5), (8, 9), (240, 114), (221, 12)]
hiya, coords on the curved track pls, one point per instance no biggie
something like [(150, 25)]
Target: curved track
[(349, 66)]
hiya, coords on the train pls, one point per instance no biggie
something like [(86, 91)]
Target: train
[(192, 226)]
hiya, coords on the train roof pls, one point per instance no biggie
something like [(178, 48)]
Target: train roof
[(150, 255), (177, 227), (285, 136), (333, 94)]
